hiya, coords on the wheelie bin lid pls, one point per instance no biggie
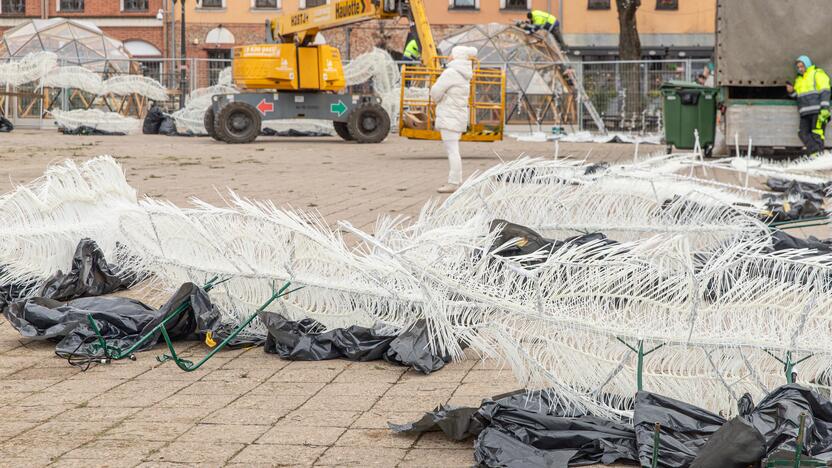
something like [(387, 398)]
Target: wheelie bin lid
[(679, 85)]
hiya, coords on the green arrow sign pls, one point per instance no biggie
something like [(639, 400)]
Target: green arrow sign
[(338, 108)]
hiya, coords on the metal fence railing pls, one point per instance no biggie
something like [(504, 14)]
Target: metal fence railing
[(625, 94)]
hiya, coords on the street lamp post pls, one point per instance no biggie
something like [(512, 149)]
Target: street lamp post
[(183, 82)]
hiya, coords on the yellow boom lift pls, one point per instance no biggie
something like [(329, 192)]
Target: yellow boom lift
[(290, 77)]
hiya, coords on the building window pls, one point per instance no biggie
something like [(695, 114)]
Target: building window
[(217, 61), (599, 4), (71, 5), (463, 4), (212, 4), (312, 3), (13, 7), (515, 4), (134, 5), (667, 4), (266, 4)]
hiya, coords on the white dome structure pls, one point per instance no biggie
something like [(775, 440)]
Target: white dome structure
[(76, 42)]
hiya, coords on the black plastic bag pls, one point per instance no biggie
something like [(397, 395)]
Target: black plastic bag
[(308, 340), (737, 444), (122, 321), (684, 429), (85, 130), (167, 126), (5, 125), (88, 275), (520, 429), (780, 240), (777, 417), (152, 121)]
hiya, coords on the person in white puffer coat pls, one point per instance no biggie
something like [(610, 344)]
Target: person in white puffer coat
[(451, 93)]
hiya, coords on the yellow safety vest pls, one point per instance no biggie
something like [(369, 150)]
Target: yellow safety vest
[(812, 90), (411, 51), (541, 18)]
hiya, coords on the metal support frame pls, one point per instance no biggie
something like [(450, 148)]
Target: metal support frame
[(640, 354), (788, 364), (189, 366), (112, 353)]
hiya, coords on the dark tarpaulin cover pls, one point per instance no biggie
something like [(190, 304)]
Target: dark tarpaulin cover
[(528, 241), (737, 444), (5, 125), (518, 430), (307, 340), (794, 200), (777, 417), (780, 240), (152, 121), (122, 321), (684, 429), (85, 130), (88, 275)]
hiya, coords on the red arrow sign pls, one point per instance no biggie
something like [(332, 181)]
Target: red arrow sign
[(264, 107)]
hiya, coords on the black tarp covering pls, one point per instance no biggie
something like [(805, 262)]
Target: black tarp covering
[(795, 200), (291, 133), (122, 321), (5, 125), (152, 121), (88, 275), (684, 429), (780, 240), (308, 340), (737, 444), (167, 126), (85, 130), (520, 429), (528, 241), (777, 418)]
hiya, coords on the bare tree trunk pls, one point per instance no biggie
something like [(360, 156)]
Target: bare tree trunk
[(629, 48)]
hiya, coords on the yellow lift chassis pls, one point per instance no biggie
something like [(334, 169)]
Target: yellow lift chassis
[(289, 77)]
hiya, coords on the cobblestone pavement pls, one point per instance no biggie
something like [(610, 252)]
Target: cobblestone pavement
[(244, 407)]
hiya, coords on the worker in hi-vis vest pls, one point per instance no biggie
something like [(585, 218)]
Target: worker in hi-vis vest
[(812, 91), (539, 19), (412, 51)]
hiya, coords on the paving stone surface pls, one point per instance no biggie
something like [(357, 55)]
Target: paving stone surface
[(245, 408)]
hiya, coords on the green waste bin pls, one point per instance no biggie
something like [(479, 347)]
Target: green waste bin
[(688, 107)]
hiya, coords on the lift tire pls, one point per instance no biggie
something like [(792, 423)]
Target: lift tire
[(237, 123), (342, 130), (208, 122), (368, 123)]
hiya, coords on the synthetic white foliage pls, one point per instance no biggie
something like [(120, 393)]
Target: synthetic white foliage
[(125, 85), (74, 77), (31, 68), (106, 121), (691, 275), (43, 221)]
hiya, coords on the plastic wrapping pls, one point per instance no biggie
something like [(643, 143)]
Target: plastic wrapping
[(524, 429), (308, 340), (6, 125), (122, 321), (684, 429)]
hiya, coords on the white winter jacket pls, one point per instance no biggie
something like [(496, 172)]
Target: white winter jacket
[(452, 90)]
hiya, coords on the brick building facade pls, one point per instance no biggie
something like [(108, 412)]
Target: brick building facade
[(126, 20)]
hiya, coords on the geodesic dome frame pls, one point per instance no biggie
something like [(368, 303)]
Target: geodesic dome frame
[(537, 89), (75, 42)]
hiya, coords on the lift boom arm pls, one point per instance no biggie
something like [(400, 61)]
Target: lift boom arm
[(305, 24)]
